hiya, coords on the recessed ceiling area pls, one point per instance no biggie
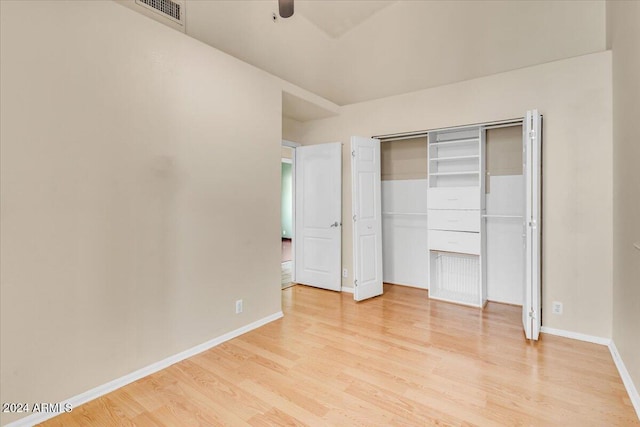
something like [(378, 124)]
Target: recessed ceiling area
[(336, 18), (352, 51)]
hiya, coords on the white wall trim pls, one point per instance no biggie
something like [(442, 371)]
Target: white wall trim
[(290, 144), (347, 290), (103, 389), (407, 285), (632, 391), (575, 335)]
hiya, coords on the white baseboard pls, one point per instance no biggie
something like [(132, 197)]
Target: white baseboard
[(626, 378), (575, 335), (425, 287), (347, 290), (103, 389), (632, 391)]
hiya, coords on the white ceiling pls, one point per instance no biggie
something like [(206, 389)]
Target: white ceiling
[(351, 51)]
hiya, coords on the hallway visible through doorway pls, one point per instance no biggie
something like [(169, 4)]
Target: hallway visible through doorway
[(287, 216)]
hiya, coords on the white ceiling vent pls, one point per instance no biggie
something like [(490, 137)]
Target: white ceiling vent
[(171, 9)]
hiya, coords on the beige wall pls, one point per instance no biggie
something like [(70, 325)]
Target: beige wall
[(133, 159), (624, 39), (404, 159), (291, 129), (575, 97), (504, 151)]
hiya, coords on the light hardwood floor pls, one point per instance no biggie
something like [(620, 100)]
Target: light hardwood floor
[(399, 359)]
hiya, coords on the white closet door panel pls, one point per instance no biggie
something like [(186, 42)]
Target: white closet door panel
[(462, 220), (404, 251), (454, 241), (532, 135), (367, 217), (454, 198)]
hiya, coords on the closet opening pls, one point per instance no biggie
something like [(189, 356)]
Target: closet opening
[(461, 213)]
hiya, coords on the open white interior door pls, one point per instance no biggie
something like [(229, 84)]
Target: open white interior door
[(532, 143), (318, 215), (367, 221)]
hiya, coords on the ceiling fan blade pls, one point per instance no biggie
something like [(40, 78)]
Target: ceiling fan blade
[(285, 8)]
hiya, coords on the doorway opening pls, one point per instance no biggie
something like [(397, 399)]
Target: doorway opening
[(286, 216)]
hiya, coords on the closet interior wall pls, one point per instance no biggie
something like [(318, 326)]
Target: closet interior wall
[(505, 205), (404, 212)]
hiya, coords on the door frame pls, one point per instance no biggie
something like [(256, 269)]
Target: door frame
[(292, 145)]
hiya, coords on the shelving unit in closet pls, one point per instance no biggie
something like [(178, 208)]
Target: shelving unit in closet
[(456, 205)]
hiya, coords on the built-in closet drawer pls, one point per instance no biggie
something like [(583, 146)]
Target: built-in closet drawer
[(460, 220), (453, 198), (454, 241)]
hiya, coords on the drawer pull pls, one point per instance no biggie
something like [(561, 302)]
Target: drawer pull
[(453, 243), (452, 199), (453, 220)]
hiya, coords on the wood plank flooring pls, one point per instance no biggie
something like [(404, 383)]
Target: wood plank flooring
[(400, 359)]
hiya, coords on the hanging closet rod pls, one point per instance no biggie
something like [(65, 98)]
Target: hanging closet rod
[(412, 136), (405, 213), (417, 134), (502, 216), (505, 125)]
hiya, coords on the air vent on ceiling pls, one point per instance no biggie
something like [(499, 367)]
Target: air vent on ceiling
[(167, 8)]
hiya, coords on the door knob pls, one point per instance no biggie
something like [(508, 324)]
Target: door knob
[(335, 224)]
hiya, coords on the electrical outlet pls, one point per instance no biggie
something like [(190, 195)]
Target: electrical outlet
[(557, 307), (345, 273), (239, 306)]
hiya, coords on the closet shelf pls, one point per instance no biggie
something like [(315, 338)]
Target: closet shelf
[(455, 141), (439, 159), (454, 173)]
